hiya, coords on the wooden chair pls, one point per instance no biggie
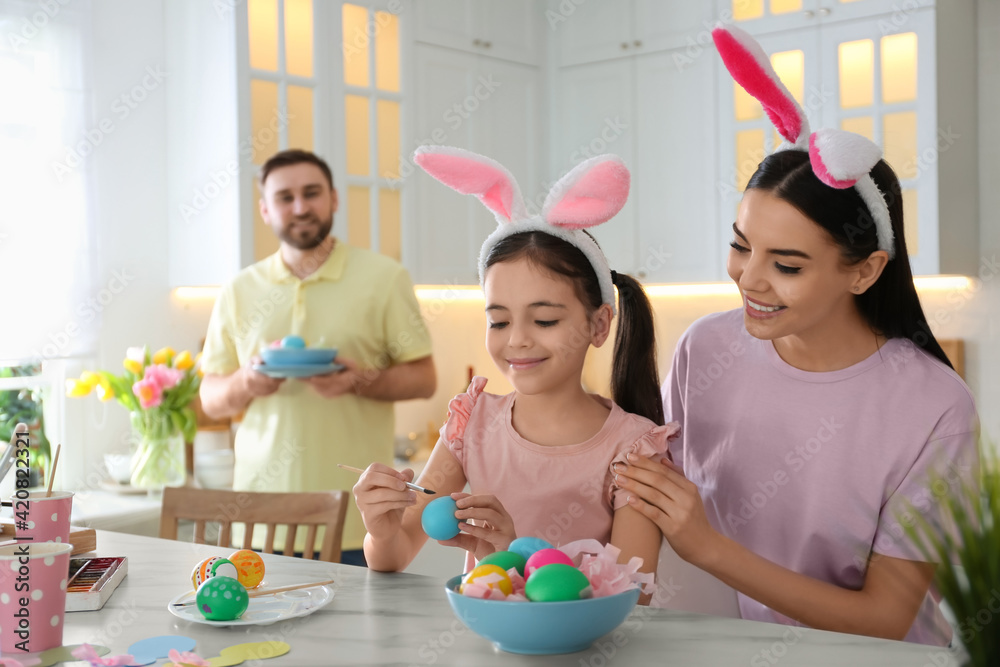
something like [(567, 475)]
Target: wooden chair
[(309, 509)]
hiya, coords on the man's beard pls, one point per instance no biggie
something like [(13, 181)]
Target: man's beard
[(309, 242)]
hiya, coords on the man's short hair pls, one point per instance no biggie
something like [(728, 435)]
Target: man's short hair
[(292, 156)]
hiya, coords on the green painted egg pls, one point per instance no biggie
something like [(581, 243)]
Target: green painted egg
[(222, 599), (506, 560), (557, 583)]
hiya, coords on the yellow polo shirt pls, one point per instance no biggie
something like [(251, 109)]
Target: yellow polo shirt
[(360, 302)]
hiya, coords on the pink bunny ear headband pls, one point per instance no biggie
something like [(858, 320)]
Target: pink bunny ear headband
[(591, 193), (839, 159)]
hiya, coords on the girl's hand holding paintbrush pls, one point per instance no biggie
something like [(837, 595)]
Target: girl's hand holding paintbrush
[(382, 496)]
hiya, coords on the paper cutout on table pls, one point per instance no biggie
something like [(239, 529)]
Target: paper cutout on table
[(148, 651), (236, 655), (54, 656)]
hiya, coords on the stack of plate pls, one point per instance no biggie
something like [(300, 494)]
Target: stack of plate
[(292, 362)]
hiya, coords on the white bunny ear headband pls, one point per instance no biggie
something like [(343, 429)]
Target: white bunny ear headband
[(591, 193), (839, 159)]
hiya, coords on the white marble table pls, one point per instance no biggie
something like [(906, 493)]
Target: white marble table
[(404, 619)]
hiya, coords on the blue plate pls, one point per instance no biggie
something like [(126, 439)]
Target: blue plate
[(298, 370), (294, 356), (541, 628)]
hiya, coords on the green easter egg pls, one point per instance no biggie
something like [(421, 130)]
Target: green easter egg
[(506, 560), (557, 582), (222, 599)]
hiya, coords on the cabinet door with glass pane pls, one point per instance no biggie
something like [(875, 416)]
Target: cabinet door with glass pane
[(283, 93), (759, 17), (885, 90)]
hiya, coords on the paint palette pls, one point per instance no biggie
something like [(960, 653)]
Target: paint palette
[(92, 580)]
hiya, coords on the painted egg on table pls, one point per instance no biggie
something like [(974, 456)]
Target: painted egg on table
[(249, 567), (492, 576), (222, 599), (528, 545), (556, 583), (544, 557), (438, 519), (296, 342), (212, 567), (505, 560)]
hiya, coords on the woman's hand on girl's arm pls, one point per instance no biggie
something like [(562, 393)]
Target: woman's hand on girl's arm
[(494, 530), (885, 606), (391, 512), (636, 535)]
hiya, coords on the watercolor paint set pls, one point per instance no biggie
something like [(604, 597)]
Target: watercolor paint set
[(92, 580)]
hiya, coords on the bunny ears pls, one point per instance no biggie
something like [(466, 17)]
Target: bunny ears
[(591, 193), (839, 159)]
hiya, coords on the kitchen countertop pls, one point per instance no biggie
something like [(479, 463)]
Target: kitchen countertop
[(404, 619)]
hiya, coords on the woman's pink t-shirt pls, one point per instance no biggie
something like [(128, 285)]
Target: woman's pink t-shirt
[(814, 471), (559, 494)]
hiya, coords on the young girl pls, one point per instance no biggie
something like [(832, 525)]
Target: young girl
[(538, 459), (799, 470)]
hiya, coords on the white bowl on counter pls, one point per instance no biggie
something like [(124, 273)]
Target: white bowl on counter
[(214, 469)]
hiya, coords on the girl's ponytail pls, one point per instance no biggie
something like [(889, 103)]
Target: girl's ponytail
[(635, 386)]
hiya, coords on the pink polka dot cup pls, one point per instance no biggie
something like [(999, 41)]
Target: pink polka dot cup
[(41, 519), (32, 596)]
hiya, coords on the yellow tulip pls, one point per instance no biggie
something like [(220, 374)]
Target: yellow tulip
[(78, 388), (132, 366), (163, 355), (104, 390), (183, 361), (90, 378)]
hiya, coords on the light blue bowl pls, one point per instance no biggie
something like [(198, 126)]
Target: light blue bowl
[(290, 356), (541, 628)]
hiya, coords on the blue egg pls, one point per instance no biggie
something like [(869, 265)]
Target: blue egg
[(526, 546), (438, 519), (293, 341)]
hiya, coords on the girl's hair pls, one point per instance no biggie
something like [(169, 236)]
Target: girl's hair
[(635, 386), (890, 306)]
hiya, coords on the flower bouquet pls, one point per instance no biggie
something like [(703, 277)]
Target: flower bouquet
[(157, 390)]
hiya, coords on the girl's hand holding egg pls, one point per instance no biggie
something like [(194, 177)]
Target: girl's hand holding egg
[(493, 530)]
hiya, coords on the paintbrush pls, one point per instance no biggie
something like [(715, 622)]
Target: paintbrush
[(270, 591), (409, 485)]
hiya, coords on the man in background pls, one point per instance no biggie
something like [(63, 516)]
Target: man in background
[(295, 431)]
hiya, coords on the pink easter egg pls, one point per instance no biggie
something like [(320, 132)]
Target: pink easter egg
[(544, 557)]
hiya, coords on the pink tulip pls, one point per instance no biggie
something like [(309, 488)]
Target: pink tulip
[(163, 376), (149, 393)]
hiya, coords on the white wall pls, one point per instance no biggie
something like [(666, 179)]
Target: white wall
[(132, 226)]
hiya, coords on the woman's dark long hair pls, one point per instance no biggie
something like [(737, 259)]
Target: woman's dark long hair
[(890, 306), (635, 386)]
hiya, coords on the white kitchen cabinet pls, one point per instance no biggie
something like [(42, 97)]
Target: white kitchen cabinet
[(676, 194), (904, 84), (482, 104), (506, 29), (761, 17), (666, 232), (636, 79), (594, 114), (599, 30)]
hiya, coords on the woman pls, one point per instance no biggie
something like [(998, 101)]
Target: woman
[(831, 411)]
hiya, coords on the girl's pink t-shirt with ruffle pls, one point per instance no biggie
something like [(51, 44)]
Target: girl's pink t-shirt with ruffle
[(559, 494)]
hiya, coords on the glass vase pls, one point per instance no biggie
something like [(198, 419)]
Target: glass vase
[(158, 457)]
